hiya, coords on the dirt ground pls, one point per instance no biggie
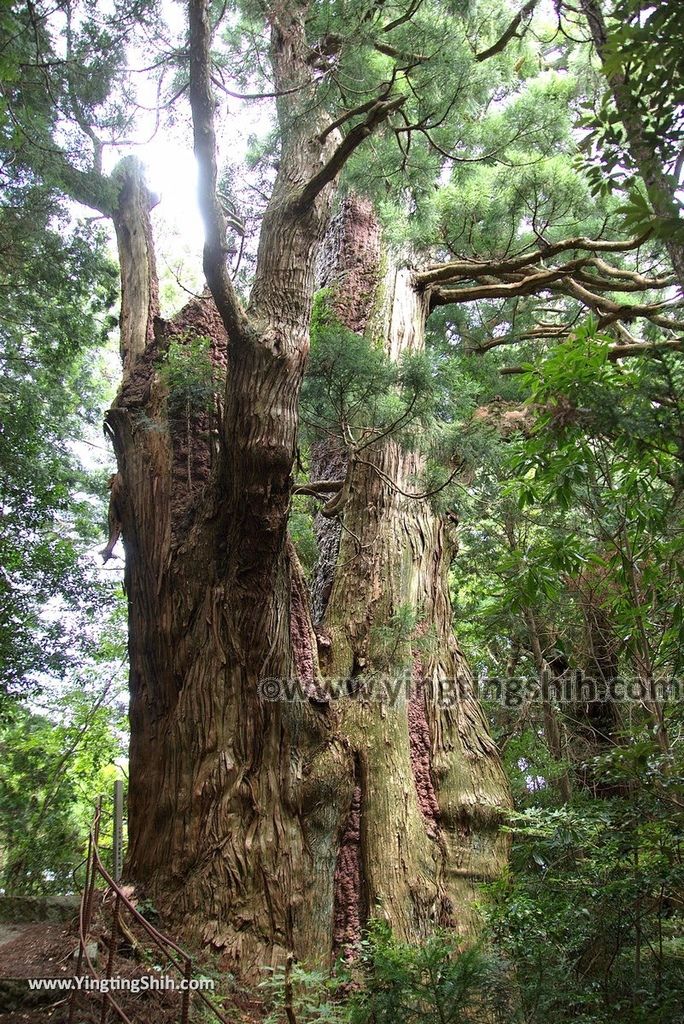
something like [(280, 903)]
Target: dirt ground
[(46, 950), (36, 950)]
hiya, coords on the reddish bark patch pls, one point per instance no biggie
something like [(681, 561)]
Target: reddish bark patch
[(419, 739), (195, 437), (347, 888), (200, 317), (350, 262)]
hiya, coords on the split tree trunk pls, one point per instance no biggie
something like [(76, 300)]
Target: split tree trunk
[(269, 825)]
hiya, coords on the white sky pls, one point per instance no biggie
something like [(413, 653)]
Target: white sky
[(170, 163)]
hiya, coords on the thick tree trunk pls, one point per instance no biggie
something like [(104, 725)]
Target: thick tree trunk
[(273, 825), (429, 787)]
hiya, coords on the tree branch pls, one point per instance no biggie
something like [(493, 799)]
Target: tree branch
[(471, 268), (626, 351), (510, 32), (87, 187), (97, 191), (362, 108), (505, 279), (526, 286), (644, 348), (644, 283), (622, 284), (403, 18), (611, 311), (392, 51), (378, 113), (318, 487), (536, 334), (202, 105)]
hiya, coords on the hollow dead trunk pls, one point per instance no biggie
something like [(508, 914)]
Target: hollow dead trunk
[(265, 825)]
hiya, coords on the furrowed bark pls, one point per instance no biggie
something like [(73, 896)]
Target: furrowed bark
[(430, 790), (266, 826), (231, 830)]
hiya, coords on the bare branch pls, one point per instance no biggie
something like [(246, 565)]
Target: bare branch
[(510, 32), (527, 285), (74, 103), (644, 348), (362, 108), (392, 51), (472, 268), (403, 18), (318, 487), (611, 311), (409, 494), (624, 284), (536, 334), (589, 280), (626, 351), (378, 113), (204, 134), (257, 95), (629, 275)]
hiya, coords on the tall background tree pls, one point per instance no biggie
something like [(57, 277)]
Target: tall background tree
[(57, 284)]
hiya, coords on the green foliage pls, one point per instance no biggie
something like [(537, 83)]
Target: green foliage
[(57, 289), (395, 642), (395, 983), (608, 448), (571, 518), (349, 381), (436, 981), (494, 205), (393, 639), (300, 526), (573, 531), (644, 46), (68, 82), (592, 495), (54, 762), (313, 996), (636, 151), (57, 286), (188, 373), (591, 916), (354, 392)]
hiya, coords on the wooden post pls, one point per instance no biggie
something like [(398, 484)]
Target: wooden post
[(117, 847)]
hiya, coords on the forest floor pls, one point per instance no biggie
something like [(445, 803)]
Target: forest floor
[(45, 949)]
